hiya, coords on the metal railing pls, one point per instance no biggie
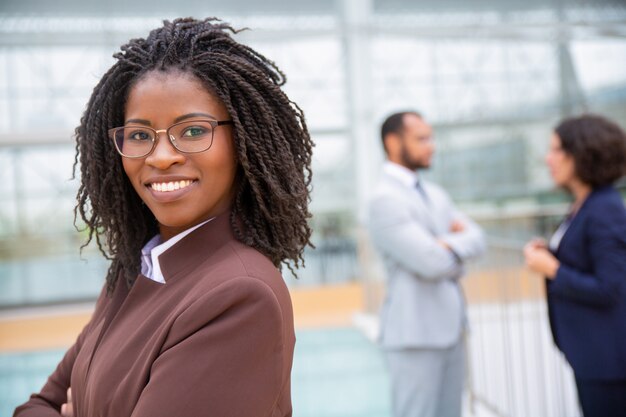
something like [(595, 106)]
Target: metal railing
[(514, 368)]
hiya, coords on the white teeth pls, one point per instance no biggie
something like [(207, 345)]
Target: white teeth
[(170, 186)]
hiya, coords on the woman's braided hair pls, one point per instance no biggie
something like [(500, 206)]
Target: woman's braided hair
[(270, 207)]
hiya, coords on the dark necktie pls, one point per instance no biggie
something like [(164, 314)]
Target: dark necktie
[(420, 188)]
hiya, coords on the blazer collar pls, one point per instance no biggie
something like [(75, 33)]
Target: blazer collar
[(399, 173), (595, 193), (581, 213), (196, 247)]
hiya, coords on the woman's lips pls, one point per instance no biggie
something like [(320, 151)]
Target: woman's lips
[(167, 191)]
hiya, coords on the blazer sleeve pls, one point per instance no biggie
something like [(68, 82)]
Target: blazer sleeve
[(468, 244), (607, 246), (48, 402), (225, 356), (407, 242)]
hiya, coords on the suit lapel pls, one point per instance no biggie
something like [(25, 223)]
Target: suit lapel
[(577, 222), (423, 211)]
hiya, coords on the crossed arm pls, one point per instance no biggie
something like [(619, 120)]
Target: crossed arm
[(409, 243)]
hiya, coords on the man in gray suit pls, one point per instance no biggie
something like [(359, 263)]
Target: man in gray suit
[(424, 242)]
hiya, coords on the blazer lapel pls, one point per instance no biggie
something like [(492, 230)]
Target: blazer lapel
[(576, 222), (417, 202)]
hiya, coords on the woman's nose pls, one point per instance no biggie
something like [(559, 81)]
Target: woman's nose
[(164, 154)]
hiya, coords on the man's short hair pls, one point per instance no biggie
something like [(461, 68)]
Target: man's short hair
[(394, 124)]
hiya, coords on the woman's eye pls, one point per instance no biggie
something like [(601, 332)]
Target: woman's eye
[(139, 135), (192, 132)]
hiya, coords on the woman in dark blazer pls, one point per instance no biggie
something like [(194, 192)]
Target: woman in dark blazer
[(585, 261), (195, 173)]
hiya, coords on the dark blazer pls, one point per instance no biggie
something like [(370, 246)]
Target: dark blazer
[(216, 339), (587, 298)]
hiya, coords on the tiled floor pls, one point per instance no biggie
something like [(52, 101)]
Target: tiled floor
[(336, 373), (339, 373)]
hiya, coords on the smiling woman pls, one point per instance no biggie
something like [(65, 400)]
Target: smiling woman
[(190, 177), (195, 181)]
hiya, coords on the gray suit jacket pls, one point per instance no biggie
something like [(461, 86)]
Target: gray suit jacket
[(424, 304)]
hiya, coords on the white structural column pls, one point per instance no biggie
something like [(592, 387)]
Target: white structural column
[(356, 27), (355, 23)]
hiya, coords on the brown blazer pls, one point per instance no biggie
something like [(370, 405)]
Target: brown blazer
[(216, 339)]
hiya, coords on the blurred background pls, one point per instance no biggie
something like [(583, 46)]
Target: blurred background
[(493, 77)]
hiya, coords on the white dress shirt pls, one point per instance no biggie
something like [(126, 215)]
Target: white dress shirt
[(408, 177), (150, 253), (555, 240)]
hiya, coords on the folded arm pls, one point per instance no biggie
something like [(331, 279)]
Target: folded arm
[(467, 243), (400, 237)]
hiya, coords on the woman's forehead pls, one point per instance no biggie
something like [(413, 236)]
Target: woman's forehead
[(158, 93)]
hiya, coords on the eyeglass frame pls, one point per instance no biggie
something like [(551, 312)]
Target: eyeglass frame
[(214, 124)]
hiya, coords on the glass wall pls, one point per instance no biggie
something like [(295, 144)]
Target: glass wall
[(492, 80)]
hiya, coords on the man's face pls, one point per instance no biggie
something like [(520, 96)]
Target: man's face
[(416, 146)]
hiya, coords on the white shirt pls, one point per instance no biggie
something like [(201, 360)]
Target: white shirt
[(150, 253), (555, 240), (408, 177)]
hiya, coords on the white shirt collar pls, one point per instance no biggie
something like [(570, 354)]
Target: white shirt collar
[(150, 253), (402, 174)]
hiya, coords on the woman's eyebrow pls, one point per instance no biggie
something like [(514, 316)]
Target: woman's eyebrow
[(139, 121), (191, 115), (176, 120)]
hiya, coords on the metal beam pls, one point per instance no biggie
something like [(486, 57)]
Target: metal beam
[(112, 31), (540, 32), (37, 31), (115, 39), (197, 8)]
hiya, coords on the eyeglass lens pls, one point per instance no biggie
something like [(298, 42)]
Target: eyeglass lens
[(191, 136)]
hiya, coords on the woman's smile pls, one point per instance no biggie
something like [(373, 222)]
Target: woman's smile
[(170, 186), (170, 191)]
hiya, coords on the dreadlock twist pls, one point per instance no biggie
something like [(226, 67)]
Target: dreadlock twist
[(270, 208)]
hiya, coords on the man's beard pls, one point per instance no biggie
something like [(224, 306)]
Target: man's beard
[(412, 164)]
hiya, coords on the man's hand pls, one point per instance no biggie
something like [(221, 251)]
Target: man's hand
[(457, 226), (443, 244), (67, 410)]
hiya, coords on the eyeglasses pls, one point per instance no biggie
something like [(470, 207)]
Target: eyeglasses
[(190, 136)]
